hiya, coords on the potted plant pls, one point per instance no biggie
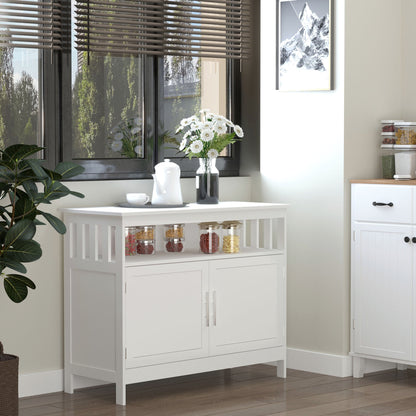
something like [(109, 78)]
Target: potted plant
[(24, 186)]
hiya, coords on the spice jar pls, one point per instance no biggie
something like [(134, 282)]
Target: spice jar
[(209, 239), (145, 232), (405, 133), (231, 236), (130, 242), (146, 247), (174, 245), (174, 231)]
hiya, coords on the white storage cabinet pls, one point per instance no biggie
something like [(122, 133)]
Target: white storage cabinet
[(383, 283), (145, 317)]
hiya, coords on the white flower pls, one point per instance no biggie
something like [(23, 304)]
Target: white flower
[(205, 125), (187, 134), (195, 126), (196, 146), (238, 131), (207, 135), (138, 150), (218, 119), (194, 119), (118, 136), (212, 153), (116, 146), (179, 129), (220, 128), (137, 121), (186, 122), (229, 123), (183, 144), (135, 130)]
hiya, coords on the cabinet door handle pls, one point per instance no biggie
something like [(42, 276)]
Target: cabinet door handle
[(207, 308), (382, 204), (414, 240), (214, 304), (407, 239)]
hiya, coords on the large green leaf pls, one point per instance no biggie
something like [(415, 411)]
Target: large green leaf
[(19, 152), (24, 251), (12, 264), (6, 175), (22, 230), (37, 168), (55, 190), (69, 169), (16, 287), (25, 208), (31, 189), (55, 222)]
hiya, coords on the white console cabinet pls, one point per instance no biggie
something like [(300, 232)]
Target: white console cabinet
[(383, 271), (146, 317)]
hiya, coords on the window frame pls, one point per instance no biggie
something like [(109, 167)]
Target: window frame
[(57, 122)]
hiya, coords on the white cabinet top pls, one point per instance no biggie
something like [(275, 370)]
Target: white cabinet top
[(238, 210)]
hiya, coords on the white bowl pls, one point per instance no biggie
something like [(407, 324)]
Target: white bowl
[(137, 198)]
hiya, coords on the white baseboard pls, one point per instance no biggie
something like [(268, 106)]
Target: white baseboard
[(318, 362), (330, 364), (50, 382), (303, 360)]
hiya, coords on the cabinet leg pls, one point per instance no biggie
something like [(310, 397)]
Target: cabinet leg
[(401, 367), (358, 367), (281, 369), (121, 394), (69, 383)]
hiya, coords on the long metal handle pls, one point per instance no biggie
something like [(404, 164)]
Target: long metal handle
[(382, 204), (207, 308), (214, 304)]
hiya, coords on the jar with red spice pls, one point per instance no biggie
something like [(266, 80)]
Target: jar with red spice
[(174, 245), (130, 242), (209, 237), (145, 247)]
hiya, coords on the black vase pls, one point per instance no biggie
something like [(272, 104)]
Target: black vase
[(207, 182)]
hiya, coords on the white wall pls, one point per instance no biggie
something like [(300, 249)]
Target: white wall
[(33, 330), (302, 164), (312, 144)]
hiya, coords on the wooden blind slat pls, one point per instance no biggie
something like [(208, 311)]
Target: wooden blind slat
[(32, 24), (180, 27)]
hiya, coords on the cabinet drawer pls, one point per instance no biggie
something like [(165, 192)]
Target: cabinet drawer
[(367, 200)]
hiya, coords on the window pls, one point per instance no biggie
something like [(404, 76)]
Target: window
[(111, 110)]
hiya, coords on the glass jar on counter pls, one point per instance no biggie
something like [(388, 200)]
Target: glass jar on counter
[(130, 242), (146, 247), (405, 133), (174, 245), (145, 232), (209, 237), (174, 231), (231, 236), (387, 161)]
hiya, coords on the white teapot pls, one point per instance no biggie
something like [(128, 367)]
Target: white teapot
[(166, 184)]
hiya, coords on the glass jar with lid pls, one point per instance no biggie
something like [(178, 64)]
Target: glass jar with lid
[(174, 231), (231, 231), (209, 237), (145, 247), (130, 242), (145, 232)]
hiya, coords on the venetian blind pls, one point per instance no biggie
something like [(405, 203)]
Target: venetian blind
[(37, 24), (209, 28)]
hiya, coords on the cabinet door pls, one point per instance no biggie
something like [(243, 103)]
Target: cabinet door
[(247, 304), (382, 290), (166, 317)]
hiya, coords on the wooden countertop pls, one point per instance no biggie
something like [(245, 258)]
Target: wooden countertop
[(384, 181)]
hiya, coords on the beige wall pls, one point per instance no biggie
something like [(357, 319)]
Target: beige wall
[(33, 330)]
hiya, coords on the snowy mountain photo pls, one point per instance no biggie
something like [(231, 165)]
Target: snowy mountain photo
[(305, 46)]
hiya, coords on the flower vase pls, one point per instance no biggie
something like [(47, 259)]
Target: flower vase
[(207, 179)]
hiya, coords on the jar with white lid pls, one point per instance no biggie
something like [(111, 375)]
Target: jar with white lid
[(209, 237), (231, 237), (405, 133)]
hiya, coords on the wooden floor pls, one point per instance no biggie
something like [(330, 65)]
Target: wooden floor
[(247, 391)]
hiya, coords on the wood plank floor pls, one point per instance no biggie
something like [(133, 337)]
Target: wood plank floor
[(246, 391)]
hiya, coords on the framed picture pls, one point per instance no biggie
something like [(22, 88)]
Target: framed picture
[(304, 45)]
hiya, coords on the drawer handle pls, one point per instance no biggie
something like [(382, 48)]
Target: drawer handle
[(382, 204), (407, 239)]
